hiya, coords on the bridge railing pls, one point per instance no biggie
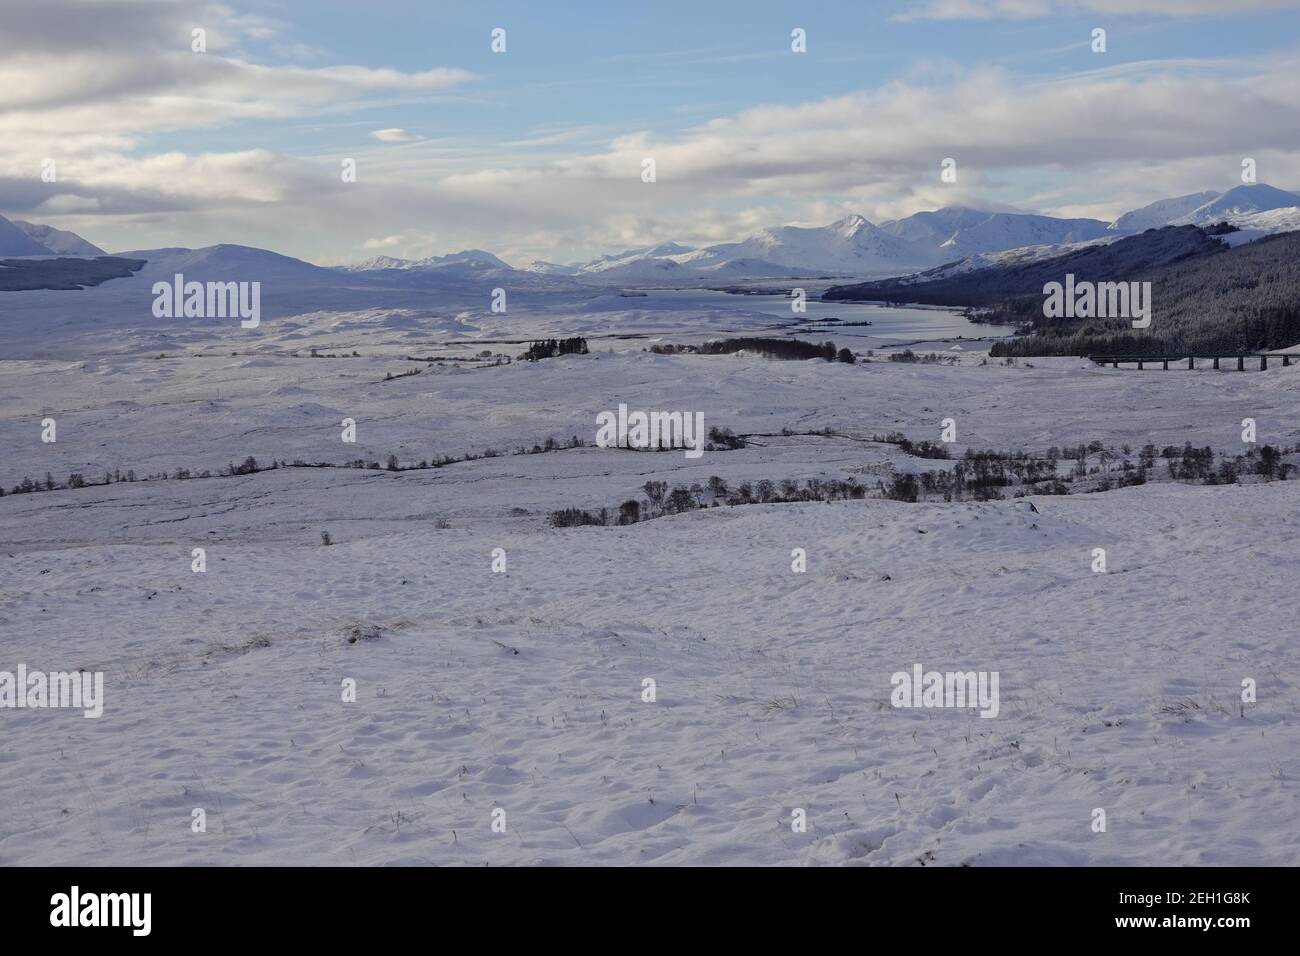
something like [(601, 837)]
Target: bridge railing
[(1143, 360)]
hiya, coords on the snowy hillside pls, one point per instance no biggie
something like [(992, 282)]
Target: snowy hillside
[(850, 245), (958, 236), (522, 691), (16, 242), (1162, 212), (468, 260), (59, 241), (957, 232), (1007, 258), (1257, 209), (1241, 201)]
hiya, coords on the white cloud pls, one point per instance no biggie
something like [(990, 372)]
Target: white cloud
[(388, 242), (1024, 9), (126, 67), (1104, 140)]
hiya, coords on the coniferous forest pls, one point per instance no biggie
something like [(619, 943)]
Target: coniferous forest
[(1206, 298)]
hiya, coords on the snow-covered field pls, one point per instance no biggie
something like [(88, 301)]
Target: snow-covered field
[(522, 691)]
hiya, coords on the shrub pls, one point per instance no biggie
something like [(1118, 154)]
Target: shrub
[(902, 488), (574, 518), (725, 438), (681, 499), (550, 348)]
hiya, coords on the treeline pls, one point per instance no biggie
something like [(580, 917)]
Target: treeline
[(927, 358), (719, 439), (980, 475), (552, 348), (1206, 298), (766, 347), (1244, 300), (999, 285), (251, 466), (63, 273)]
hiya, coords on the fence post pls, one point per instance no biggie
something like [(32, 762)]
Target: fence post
[(1263, 363), (1191, 362), (1216, 363), (1241, 363)]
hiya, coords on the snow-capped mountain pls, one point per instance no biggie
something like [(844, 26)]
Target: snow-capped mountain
[(663, 250), (633, 269), (934, 228), (19, 238), (1021, 255), (60, 242), (469, 268), (1258, 207), (960, 236), (1255, 225), (467, 260), (1238, 202), (641, 264), (15, 242), (1162, 212), (228, 263), (542, 267), (850, 246), (956, 232)]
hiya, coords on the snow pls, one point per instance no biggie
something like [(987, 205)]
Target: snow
[(1009, 257), (468, 260), (1238, 202), (1162, 212), (523, 690), (850, 246), (15, 241), (960, 232), (59, 241), (1257, 209)]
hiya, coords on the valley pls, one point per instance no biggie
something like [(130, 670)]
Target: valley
[(366, 585), (499, 662)]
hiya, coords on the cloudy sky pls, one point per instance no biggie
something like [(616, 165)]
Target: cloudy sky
[(536, 152)]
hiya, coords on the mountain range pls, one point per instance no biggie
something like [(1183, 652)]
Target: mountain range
[(955, 234), (955, 237)]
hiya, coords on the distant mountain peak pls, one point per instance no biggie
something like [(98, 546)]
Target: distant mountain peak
[(850, 225), (61, 242), (14, 241), (465, 259), (1208, 207), (1242, 200), (956, 232)]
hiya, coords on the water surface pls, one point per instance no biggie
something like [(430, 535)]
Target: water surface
[(887, 321)]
